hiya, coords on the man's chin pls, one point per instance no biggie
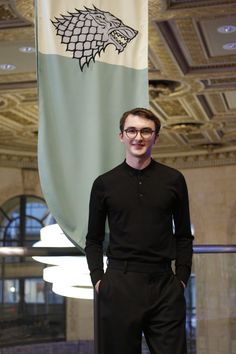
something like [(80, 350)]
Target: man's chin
[(139, 153), (138, 150)]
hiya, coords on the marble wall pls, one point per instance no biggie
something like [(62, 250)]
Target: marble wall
[(212, 193), (79, 319), (15, 181)]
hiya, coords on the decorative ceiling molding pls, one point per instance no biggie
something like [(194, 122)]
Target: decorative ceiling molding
[(199, 161), (10, 17), (14, 35), (192, 84), (25, 8), (18, 161)]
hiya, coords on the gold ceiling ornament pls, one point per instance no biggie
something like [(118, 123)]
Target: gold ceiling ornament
[(195, 85), (158, 45), (15, 78), (230, 136), (204, 158), (184, 127), (217, 101), (14, 159), (190, 37), (156, 8), (169, 9), (17, 116), (24, 34), (166, 88), (10, 101), (29, 96), (172, 108), (190, 31), (31, 133), (222, 82), (3, 103), (26, 9), (6, 13)]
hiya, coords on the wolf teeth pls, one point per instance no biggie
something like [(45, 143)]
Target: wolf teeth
[(119, 38)]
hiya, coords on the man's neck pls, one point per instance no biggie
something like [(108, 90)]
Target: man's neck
[(138, 163)]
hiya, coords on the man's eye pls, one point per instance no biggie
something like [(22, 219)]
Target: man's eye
[(131, 130), (146, 131)]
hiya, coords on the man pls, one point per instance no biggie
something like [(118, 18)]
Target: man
[(146, 204)]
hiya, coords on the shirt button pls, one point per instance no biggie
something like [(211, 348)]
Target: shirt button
[(141, 195), (140, 182)]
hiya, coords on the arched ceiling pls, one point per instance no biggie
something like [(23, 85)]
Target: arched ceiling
[(192, 82)]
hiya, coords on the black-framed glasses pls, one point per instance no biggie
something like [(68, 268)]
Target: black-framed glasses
[(146, 133)]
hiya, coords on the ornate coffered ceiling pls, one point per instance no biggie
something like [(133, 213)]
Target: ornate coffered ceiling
[(192, 82)]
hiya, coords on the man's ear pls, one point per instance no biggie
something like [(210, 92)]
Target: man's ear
[(121, 137), (156, 138)]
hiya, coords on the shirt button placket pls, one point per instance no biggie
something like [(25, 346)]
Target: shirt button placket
[(140, 191)]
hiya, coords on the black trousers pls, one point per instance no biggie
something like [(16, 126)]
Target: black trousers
[(135, 302)]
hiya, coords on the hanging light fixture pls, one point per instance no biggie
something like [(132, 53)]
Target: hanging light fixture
[(69, 275)]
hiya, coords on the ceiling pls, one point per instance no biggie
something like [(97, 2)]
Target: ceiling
[(192, 73)]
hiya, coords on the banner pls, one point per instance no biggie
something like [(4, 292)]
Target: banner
[(92, 67)]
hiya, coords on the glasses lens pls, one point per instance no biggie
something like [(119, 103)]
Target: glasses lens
[(131, 133), (146, 133)]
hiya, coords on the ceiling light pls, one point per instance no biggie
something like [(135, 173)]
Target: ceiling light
[(73, 291), (65, 281), (230, 46), (12, 289), (27, 49), (226, 29), (66, 276), (8, 67)]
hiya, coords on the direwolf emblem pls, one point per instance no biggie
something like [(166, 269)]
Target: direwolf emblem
[(88, 32)]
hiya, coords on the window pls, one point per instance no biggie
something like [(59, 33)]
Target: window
[(30, 311)]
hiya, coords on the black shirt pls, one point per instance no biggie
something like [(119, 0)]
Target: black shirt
[(141, 206)]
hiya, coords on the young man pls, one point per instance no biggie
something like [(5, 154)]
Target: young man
[(146, 204)]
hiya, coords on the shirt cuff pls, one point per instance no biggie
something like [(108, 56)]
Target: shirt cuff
[(183, 273), (96, 275)]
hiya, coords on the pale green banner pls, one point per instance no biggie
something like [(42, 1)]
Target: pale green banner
[(81, 98)]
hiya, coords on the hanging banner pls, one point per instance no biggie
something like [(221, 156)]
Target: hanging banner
[(92, 67)]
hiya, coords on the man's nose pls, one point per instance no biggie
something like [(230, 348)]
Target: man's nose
[(139, 136)]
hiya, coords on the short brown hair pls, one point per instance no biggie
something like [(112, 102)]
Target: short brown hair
[(141, 112)]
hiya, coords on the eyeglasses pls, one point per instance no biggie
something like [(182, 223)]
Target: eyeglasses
[(146, 133)]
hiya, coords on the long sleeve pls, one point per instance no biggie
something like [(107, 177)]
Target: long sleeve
[(183, 234), (96, 231)]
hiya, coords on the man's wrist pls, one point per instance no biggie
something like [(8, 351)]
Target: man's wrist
[(96, 275), (97, 286), (184, 285)]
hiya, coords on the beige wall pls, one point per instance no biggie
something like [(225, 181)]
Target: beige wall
[(212, 193), (79, 318), (15, 181)]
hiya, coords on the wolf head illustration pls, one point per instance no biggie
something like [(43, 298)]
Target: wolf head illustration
[(88, 32)]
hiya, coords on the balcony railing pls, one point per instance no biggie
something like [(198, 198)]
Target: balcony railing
[(210, 295)]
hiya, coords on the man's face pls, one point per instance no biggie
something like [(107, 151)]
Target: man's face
[(139, 146)]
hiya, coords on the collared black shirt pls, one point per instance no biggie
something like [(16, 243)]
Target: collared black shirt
[(148, 218)]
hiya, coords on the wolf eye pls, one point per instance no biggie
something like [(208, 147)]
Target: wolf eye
[(100, 19), (116, 23)]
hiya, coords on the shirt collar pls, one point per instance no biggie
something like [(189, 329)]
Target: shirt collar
[(135, 172)]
